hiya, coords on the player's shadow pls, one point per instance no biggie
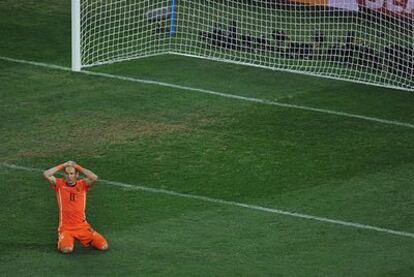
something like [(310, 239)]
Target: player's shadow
[(81, 250), (48, 248)]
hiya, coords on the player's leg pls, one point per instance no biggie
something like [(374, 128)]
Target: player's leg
[(89, 236), (99, 242), (66, 242)]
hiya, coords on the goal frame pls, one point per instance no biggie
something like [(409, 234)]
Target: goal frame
[(76, 51)]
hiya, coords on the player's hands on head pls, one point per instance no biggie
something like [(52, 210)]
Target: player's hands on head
[(70, 163)]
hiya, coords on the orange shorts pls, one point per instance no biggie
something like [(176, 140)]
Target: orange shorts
[(86, 236)]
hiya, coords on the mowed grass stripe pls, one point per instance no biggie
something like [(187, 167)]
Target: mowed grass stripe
[(236, 204), (215, 93)]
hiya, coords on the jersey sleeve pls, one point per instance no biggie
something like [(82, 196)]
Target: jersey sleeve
[(57, 185), (85, 185)]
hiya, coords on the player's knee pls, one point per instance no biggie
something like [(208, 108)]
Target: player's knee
[(65, 243), (104, 247), (66, 250), (99, 242), (65, 247)]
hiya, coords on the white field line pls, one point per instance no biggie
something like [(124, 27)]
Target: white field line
[(235, 204), (227, 95)]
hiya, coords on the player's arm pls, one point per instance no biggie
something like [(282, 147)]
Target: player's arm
[(91, 177), (48, 174)]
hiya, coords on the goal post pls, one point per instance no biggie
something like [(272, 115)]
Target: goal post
[(363, 41), (76, 36), (172, 20)]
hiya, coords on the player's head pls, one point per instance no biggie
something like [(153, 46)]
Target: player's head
[(71, 175)]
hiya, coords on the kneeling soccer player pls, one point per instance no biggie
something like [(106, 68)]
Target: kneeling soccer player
[(71, 197)]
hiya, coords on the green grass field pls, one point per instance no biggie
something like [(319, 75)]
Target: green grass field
[(180, 141)]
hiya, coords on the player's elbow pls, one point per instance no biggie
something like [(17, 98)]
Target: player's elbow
[(46, 174)]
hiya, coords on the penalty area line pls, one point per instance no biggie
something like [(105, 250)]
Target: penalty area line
[(234, 204), (215, 93)]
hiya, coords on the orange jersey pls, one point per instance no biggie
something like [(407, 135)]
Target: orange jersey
[(72, 204)]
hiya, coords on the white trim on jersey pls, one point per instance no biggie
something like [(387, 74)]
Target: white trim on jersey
[(60, 207)]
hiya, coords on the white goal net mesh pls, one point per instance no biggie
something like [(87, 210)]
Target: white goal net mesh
[(369, 41)]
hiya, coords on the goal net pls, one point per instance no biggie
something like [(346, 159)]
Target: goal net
[(367, 41)]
